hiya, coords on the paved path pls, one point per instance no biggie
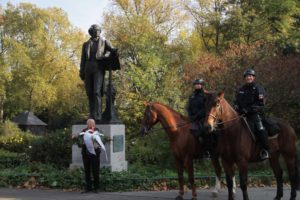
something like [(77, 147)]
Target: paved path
[(37, 194)]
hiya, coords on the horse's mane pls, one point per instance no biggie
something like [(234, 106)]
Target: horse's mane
[(173, 111)]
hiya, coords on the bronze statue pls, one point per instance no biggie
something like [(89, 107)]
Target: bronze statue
[(94, 61)]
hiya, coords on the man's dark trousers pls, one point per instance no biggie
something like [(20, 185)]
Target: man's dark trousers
[(91, 162)]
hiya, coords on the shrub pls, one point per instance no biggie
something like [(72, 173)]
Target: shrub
[(151, 150), (9, 128), (11, 159), (54, 148), (13, 139)]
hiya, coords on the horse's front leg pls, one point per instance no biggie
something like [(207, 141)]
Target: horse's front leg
[(229, 171), (218, 170), (179, 165), (190, 168)]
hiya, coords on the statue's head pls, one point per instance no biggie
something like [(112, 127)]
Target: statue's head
[(95, 30)]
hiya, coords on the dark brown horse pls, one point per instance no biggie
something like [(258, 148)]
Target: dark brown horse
[(236, 146), (183, 144)]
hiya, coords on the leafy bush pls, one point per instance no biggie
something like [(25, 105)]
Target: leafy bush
[(138, 177), (11, 159), (9, 128), (54, 148), (151, 150), (37, 174), (13, 139)]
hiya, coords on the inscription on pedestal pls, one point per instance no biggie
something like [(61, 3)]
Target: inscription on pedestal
[(118, 143)]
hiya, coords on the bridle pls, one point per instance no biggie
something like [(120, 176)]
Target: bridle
[(146, 126), (217, 121)]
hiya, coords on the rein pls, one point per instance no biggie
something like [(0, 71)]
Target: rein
[(224, 122), (176, 126)]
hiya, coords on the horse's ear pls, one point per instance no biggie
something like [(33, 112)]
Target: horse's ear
[(145, 103), (221, 94)]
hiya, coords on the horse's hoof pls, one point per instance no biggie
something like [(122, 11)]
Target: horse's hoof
[(194, 198), (214, 193), (179, 198)]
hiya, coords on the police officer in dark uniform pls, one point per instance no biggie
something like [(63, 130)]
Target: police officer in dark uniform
[(92, 69), (196, 113), (250, 100)]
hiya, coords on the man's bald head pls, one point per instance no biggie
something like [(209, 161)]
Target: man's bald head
[(90, 123)]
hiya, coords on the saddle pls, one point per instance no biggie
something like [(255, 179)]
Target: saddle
[(270, 124)]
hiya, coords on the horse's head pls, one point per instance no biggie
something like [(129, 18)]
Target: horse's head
[(213, 110), (149, 119)]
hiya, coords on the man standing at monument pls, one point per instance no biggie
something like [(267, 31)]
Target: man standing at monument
[(92, 69), (90, 142)]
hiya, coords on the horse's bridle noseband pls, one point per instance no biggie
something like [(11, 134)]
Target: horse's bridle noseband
[(218, 121), (146, 126)]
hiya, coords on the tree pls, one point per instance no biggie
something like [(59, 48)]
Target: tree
[(220, 23), (143, 31), (41, 51)]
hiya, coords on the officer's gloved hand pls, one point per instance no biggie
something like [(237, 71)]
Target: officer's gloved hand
[(244, 111)]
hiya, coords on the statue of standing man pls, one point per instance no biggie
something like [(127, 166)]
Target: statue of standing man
[(92, 69)]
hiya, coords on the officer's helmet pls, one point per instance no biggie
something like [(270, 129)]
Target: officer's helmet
[(198, 81), (249, 72)]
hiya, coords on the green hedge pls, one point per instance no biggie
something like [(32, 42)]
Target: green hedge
[(137, 177), (11, 159), (54, 148), (13, 139)]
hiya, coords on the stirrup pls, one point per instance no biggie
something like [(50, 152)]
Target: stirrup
[(264, 154)]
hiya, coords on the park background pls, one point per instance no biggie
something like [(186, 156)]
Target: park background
[(163, 45)]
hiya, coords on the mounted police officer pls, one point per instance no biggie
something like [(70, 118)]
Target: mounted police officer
[(250, 100), (196, 113)]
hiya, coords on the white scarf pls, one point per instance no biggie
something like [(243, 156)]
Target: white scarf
[(89, 137)]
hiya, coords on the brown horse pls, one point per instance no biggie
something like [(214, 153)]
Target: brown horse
[(236, 146), (183, 144)]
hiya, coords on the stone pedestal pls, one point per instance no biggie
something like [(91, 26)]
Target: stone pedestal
[(115, 148)]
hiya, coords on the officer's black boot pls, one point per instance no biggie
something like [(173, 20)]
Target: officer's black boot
[(263, 137), (206, 145)]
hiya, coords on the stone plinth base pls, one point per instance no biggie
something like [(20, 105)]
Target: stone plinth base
[(115, 148)]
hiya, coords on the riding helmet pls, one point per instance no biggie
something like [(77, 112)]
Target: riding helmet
[(249, 72), (198, 81)]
